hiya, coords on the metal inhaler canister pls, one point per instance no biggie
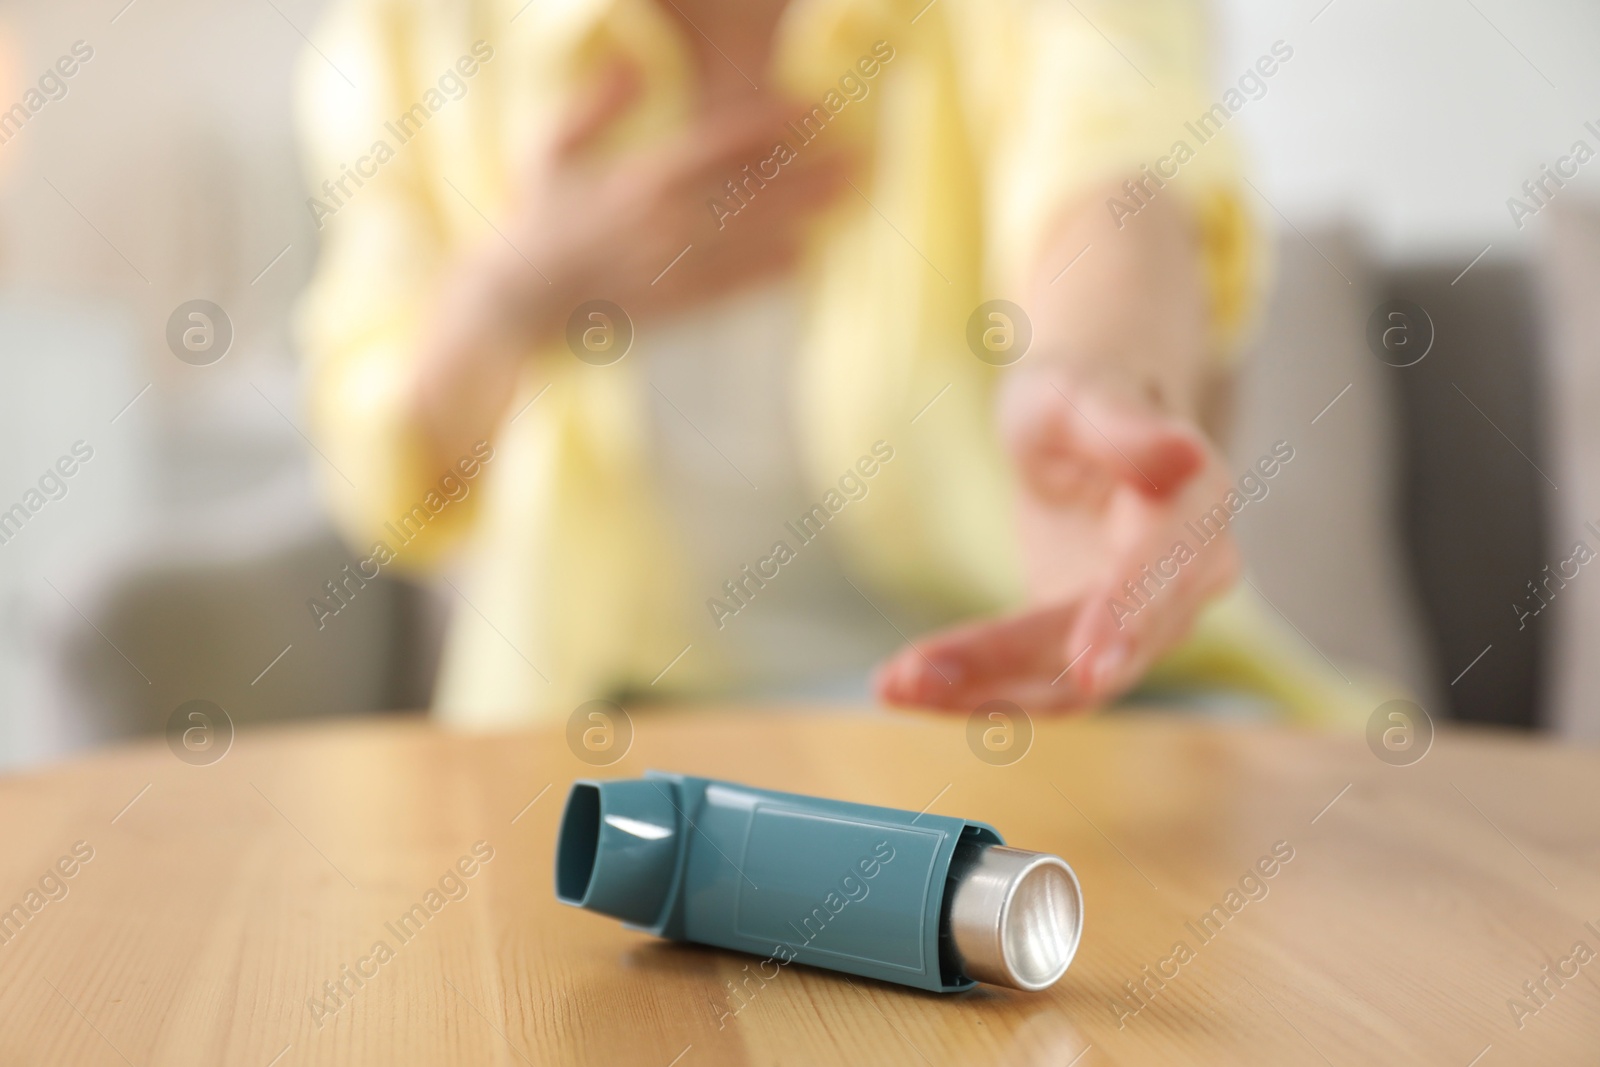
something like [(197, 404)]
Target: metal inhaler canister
[(924, 900)]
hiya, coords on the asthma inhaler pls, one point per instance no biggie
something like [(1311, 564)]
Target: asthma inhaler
[(929, 901)]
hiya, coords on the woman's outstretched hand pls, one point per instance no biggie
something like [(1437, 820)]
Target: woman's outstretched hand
[(1108, 490)]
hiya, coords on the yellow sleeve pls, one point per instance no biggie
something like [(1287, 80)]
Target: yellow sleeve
[(1073, 97), (382, 253)]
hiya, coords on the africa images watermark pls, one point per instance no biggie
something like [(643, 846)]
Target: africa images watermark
[(1252, 888), (53, 886), (454, 885), (52, 486), (1253, 486), (1552, 582), (853, 888), (1539, 191), (854, 86), (999, 732), (1252, 85), (452, 85), (1537, 993), (52, 87), (451, 490), (852, 485)]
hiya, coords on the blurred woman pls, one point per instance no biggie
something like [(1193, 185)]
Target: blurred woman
[(666, 327)]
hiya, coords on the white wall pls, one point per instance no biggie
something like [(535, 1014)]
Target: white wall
[(166, 173), (1415, 118)]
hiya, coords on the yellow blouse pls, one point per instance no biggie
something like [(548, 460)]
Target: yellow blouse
[(982, 120)]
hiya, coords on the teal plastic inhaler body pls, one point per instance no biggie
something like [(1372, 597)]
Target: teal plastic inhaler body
[(924, 900)]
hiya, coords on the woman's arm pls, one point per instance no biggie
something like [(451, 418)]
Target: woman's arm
[(1103, 420)]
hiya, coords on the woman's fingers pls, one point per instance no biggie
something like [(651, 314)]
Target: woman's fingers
[(683, 219), (716, 148), (1149, 452), (1056, 427), (1152, 595), (1009, 658), (1097, 645), (712, 205)]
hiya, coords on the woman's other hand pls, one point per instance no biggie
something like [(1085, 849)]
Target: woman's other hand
[(637, 229)]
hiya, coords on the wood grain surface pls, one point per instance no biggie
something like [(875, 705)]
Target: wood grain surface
[(214, 907)]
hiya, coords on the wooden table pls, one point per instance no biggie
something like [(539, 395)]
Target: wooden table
[(220, 900)]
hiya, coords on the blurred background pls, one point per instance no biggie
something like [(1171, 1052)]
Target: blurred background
[(1420, 506)]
